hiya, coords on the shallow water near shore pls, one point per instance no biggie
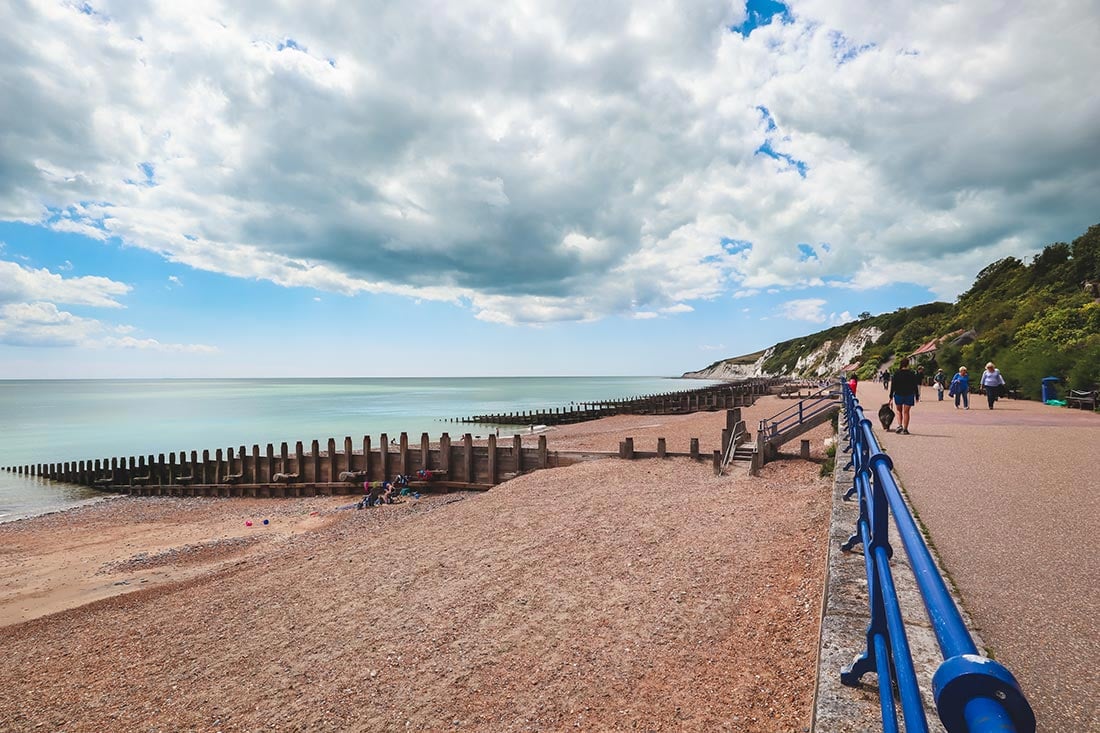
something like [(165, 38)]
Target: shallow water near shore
[(28, 496), (53, 421)]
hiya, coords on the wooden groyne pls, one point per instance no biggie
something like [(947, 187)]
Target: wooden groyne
[(430, 466), (712, 398), (240, 472)]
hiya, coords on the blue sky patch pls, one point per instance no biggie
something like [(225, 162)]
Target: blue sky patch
[(844, 50), (761, 12), (735, 246), (808, 252), (799, 165), (766, 113)]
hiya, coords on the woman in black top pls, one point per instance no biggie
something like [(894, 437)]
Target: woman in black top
[(905, 391)]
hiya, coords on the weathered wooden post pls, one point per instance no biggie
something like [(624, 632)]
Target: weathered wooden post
[(218, 457), (349, 453), (628, 452), (269, 468), (366, 456), (172, 468), (660, 447), (254, 475), (445, 453), (384, 455), (403, 451), (544, 455), (733, 416), (492, 459), (758, 455), (194, 471), (517, 453), (294, 489), (315, 467), (226, 470), (425, 452), (205, 467), (694, 449), (804, 449), (468, 457), (717, 463), (333, 464)]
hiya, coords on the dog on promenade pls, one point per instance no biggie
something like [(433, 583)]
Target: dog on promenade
[(886, 416)]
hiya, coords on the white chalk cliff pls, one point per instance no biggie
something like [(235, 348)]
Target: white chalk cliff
[(825, 360)]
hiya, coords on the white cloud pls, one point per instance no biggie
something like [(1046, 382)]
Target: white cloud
[(804, 309), (175, 281), (556, 161), (129, 342), (18, 283), (29, 315), (678, 308), (812, 310), (44, 324)]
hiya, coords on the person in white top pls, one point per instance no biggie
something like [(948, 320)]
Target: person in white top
[(992, 382)]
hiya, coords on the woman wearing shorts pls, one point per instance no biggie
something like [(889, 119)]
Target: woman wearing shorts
[(904, 388)]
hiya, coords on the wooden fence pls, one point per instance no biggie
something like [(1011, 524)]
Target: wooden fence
[(711, 398), (239, 472)]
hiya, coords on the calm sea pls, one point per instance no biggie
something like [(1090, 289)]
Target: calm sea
[(52, 421)]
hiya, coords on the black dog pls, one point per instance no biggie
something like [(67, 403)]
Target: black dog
[(886, 416)]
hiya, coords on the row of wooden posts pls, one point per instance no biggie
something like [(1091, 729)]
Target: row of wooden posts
[(285, 473), (711, 398)]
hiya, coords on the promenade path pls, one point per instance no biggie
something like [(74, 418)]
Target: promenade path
[(1011, 500)]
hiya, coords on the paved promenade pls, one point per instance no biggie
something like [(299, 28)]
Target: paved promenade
[(1011, 500)]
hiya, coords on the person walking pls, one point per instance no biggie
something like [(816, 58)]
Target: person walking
[(886, 379), (992, 382), (960, 388), (853, 383), (904, 391), (940, 380)]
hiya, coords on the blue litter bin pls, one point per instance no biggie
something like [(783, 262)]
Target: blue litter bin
[(1049, 392)]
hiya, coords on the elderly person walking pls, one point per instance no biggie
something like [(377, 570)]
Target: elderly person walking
[(960, 387), (992, 382)]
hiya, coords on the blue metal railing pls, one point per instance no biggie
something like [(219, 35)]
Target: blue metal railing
[(973, 694)]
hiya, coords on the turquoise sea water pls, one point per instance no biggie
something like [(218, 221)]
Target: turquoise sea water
[(52, 421)]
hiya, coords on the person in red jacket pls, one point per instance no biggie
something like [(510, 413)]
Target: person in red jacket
[(853, 383)]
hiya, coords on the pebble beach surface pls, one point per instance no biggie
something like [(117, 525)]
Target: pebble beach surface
[(608, 595)]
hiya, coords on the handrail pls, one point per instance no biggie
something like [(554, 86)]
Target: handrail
[(973, 693), (737, 439), (822, 400)]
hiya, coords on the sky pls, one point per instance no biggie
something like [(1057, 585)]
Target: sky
[(237, 189)]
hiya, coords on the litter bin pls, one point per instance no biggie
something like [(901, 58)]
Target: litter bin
[(1049, 392)]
